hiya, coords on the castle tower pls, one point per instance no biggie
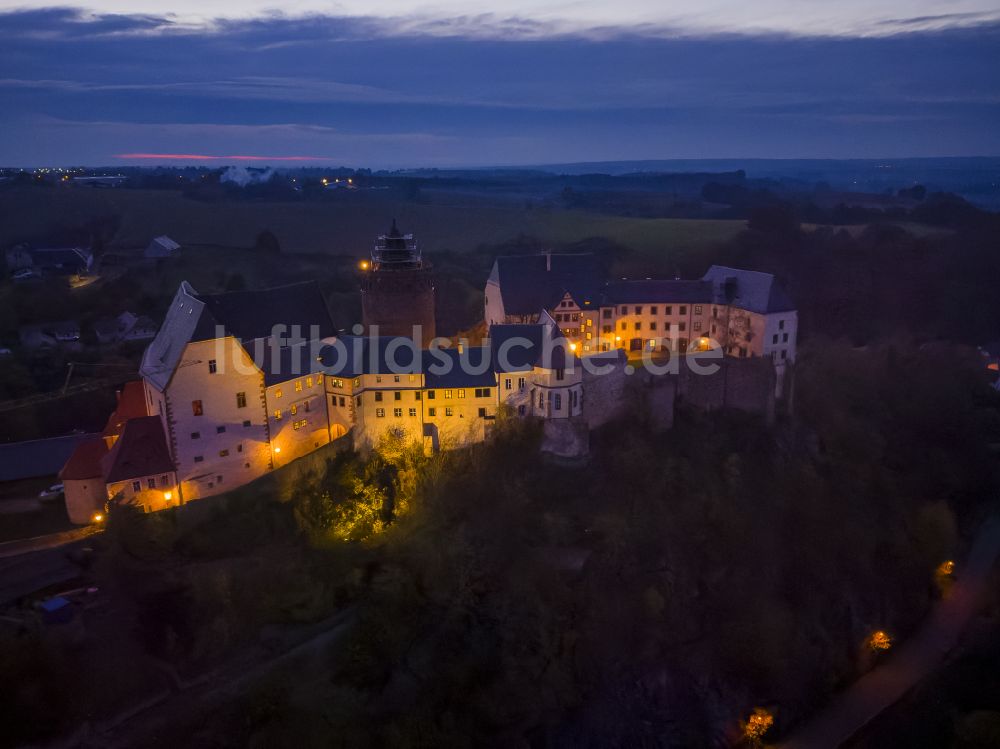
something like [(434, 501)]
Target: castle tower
[(397, 289)]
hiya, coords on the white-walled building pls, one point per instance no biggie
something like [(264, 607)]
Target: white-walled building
[(746, 312)]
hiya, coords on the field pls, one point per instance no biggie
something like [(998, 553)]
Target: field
[(338, 224)]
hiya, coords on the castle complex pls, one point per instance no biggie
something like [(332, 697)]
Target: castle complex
[(237, 384)]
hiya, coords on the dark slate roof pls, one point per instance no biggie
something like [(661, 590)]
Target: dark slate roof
[(357, 355), (526, 346), (748, 289), (450, 368), (22, 460), (85, 462), (538, 345), (72, 259), (653, 291), (140, 451), (253, 314), (284, 363), (526, 286)]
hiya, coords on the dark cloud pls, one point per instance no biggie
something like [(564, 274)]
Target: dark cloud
[(79, 88)]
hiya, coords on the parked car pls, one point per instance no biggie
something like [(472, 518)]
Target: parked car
[(53, 492)]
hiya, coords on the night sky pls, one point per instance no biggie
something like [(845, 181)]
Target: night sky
[(454, 85)]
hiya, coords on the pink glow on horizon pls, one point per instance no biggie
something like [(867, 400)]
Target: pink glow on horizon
[(205, 157)]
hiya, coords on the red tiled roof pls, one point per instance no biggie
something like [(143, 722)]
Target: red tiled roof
[(140, 451), (85, 462), (131, 405)]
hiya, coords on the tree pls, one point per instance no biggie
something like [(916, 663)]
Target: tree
[(267, 242)]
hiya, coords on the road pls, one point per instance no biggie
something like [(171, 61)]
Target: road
[(915, 659)]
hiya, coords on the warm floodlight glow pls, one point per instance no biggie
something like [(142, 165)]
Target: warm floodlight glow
[(168, 495), (946, 568), (879, 640), (277, 449), (98, 517), (363, 265), (572, 347), (759, 722)]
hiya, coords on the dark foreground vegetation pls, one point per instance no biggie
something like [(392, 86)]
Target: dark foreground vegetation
[(652, 596)]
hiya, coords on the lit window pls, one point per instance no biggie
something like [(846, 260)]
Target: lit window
[(294, 409), (298, 386), (380, 412), (277, 414), (697, 309), (447, 394), (277, 393), (309, 382), (357, 382), (397, 412), (461, 393), (448, 411), (696, 325), (413, 412)]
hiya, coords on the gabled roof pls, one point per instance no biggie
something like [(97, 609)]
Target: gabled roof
[(518, 348), (254, 314), (529, 283), (284, 363), (85, 462), (654, 291), (748, 289), (294, 311), (131, 405), (140, 451), (163, 354), (65, 258)]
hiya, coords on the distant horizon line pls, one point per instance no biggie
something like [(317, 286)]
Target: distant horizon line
[(170, 160)]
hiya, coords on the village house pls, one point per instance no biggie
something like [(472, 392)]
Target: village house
[(126, 327), (161, 247)]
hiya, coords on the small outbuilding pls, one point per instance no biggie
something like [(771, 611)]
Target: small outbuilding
[(162, 246)]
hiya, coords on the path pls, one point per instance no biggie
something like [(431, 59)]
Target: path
[(50, 541), (915, 659)]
